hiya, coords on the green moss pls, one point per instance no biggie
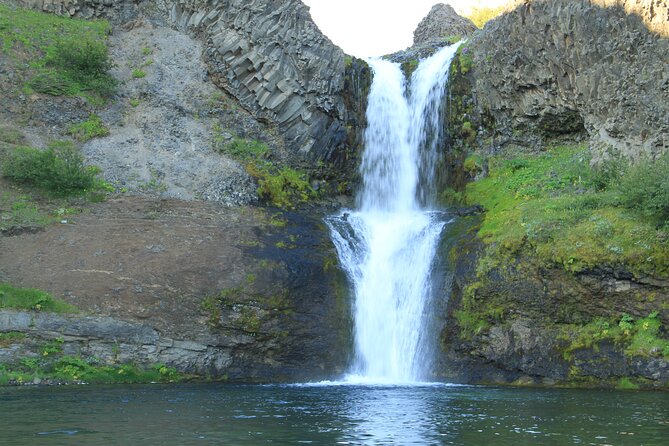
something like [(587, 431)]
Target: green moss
[(473, 164), (626, 384), (640, 338), (552, 203), (32, 299), (470, 323), (409, 66), (92, 127), (281, 186), (466, 60)]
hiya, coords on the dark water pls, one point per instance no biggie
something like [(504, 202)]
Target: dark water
[(329, 415)]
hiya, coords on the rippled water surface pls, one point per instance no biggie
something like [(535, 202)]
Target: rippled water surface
[(328, 415)]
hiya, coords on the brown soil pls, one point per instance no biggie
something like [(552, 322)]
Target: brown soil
[(137, 258)]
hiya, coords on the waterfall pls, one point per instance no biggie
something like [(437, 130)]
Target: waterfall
[(387, 245)]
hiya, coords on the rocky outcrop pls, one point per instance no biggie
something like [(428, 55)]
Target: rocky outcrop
[(526, 323), (555, 69), (442, 21), (237, 293)]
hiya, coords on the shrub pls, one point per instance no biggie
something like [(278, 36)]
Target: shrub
[(284, 187), (645, 188), (78, 65), (59, 170), (81, 60)]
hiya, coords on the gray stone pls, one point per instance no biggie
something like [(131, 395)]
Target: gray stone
[(442, 21)]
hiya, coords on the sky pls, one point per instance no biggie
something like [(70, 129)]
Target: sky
[(366, 28)]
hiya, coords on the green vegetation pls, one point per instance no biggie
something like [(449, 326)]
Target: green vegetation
[(466, 61), (245, 309), (59, 170), (138, 74), (31, 299), (59, 368), (91, 128), (569, 214), (57, 55), (11, 337), (638, 337), (283, 187)]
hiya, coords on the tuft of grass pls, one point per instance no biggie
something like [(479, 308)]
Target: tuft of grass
[(32, 299), (59, 170), (138, 73), (566, 213), (92, 127)]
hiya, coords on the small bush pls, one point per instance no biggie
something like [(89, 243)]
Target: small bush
[(89, 129), (59, 170), (645, 188), (76, 66), (284, 187), (81, 60)]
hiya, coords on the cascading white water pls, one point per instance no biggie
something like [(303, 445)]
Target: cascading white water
[(388, 245)]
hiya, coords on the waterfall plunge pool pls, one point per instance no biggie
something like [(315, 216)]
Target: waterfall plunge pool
[(329, 414)]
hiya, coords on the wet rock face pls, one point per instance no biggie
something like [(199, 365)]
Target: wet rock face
[(442, 21), (240, 293), (558, 68)]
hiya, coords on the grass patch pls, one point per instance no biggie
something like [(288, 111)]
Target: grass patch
[(31, 299), (91, 128), (57, 55), (570, 214), (59, 170), (138, 74), (281, 186), (66, 369)]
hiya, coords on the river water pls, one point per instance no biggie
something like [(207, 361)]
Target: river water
[(227, 414)]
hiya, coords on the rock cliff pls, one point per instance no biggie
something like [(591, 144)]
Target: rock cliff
[(442, 21), (556, 69)]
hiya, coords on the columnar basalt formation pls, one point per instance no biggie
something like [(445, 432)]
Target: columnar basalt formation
[(274, 60), (267, 54)]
